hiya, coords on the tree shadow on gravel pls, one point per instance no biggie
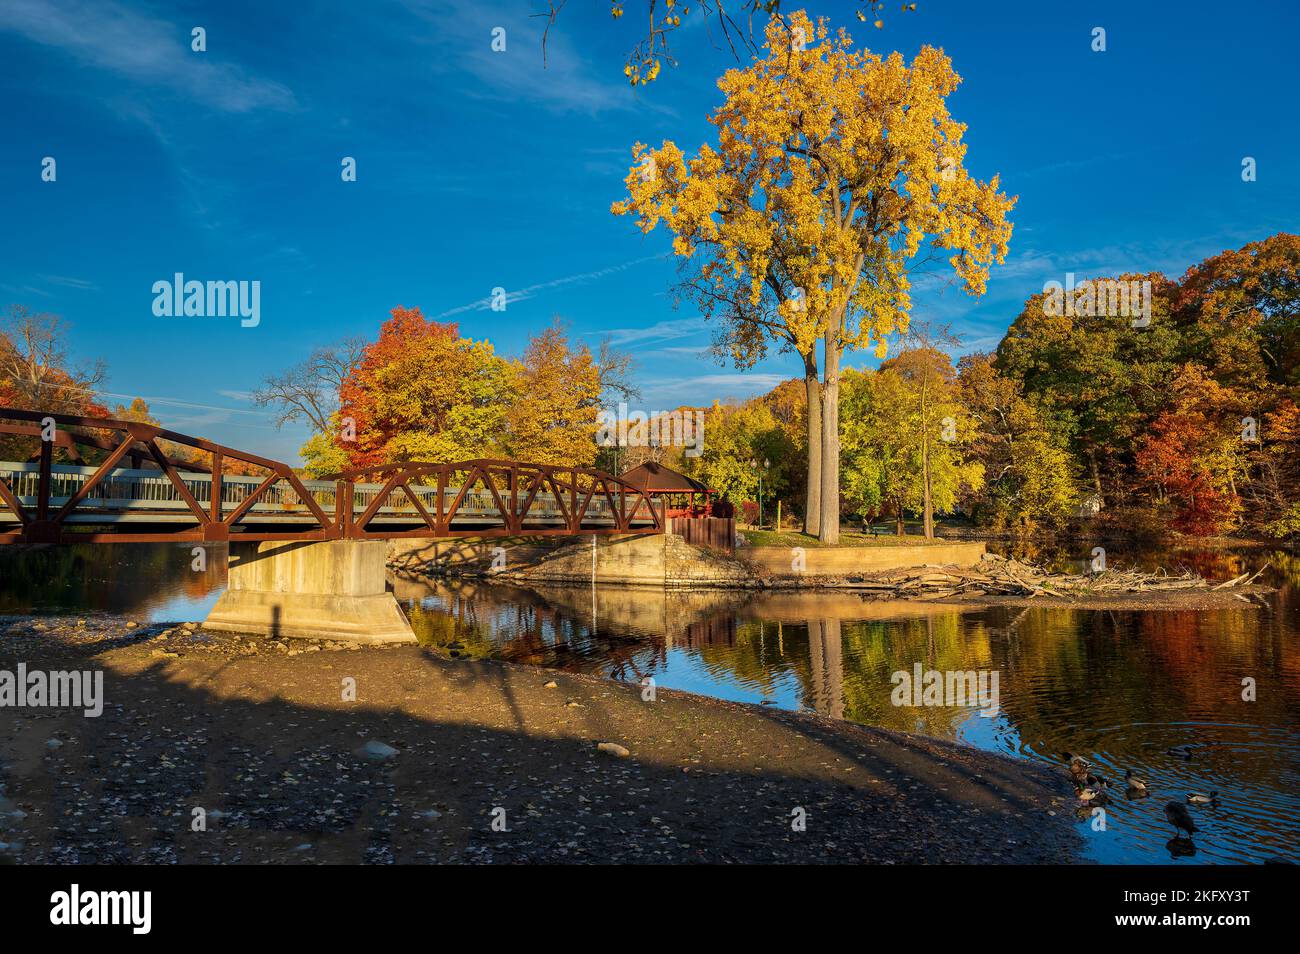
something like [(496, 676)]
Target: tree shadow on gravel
[(283, 782)]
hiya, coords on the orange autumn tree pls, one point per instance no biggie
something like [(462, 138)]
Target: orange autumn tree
[(37, 374), (421, 392), (1275, 495), (36, 371), (1239, 312), (833, 167), (1194, 457)]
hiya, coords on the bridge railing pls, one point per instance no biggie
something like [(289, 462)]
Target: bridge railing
[(203, 482), (128, 490)]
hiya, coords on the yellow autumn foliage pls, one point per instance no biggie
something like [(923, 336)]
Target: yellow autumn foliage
[(832, 167)]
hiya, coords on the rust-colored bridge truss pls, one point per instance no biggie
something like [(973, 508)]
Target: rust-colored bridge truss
[(168, 495)]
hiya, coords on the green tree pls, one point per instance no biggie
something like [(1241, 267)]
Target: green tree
[(738, 438), (904, 438), (1100, 378), (1031, 478)]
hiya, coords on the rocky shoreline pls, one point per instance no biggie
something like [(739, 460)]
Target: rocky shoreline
[(443, 760), (993, 581)]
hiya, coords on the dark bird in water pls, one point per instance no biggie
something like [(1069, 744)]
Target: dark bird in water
[(1200, 798), (1183, 752), (1078, 767), (1136, 786), (1091, 793), (1180, 818)]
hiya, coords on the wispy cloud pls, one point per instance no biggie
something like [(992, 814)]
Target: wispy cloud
[(698, 350), (145, 50), (63, 280), (562, 82), (660, 331), (25, 290), (523, 294), (706, 388)]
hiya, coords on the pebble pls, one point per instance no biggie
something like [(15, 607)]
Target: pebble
[(613, 748), (377, 750)]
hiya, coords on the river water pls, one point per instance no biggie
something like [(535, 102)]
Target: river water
[(1121, 688)]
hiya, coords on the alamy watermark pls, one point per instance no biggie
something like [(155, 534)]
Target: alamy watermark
[(937, 687), (194, 299), (57, 689), (1099, 298), (683, 429), (127, 908)]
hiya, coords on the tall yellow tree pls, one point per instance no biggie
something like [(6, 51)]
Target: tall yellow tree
[(556, 387), (833, 168)]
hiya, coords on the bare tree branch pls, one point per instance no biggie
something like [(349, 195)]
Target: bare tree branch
[(310, 391)]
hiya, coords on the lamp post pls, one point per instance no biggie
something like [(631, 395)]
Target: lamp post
[(754, 465)]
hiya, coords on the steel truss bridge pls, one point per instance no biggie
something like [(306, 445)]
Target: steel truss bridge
[(140, 490)]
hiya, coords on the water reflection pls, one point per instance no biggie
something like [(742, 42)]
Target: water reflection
[(1123, 688), (145, 581)]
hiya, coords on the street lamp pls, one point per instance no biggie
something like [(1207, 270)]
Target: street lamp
[(754, 465)]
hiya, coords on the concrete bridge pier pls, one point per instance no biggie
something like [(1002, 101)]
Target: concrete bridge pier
[(324, 590)]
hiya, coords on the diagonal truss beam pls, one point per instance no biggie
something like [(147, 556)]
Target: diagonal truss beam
[(515, 488)]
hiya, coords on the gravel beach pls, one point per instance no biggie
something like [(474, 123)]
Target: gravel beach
[(448, 760)]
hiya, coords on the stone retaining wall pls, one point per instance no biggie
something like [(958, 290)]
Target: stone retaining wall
[(851, 561), (664, 560)]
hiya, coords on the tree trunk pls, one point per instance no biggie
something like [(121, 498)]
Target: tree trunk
[(927, 514), (1093, 471), (812, 511), (830, 515), (927, 501)]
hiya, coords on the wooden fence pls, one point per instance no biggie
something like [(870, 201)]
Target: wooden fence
[(716, 532)]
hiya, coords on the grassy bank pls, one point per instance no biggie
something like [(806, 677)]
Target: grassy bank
[(848, 538)]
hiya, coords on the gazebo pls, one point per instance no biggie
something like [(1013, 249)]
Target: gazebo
[(678, 491)]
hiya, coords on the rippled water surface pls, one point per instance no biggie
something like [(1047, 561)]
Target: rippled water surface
[(1121, 688)]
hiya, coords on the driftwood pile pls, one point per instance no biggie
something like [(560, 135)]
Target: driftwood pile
[(1000, 576)]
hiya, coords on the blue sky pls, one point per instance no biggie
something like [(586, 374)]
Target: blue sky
[(479, 169)]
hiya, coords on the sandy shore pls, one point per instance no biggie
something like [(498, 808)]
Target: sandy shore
[(258, 735)]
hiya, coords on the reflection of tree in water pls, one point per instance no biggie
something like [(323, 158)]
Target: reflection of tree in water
[(518, 625), (874, 650), (1119, 686), (757, 653), (843, 667), (125, 578)]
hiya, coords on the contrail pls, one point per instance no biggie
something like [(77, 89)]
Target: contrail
[(155, 399), (523, 293)]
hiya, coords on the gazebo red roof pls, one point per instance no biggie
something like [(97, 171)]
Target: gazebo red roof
[(657, 479)]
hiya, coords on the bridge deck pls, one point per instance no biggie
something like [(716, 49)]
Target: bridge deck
[(148, 497), (193, 494)]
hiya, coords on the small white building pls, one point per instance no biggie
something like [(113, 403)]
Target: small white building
[(1090, 506)]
